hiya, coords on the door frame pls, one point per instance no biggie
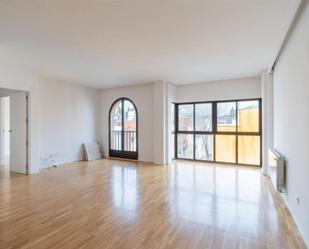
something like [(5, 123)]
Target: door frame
[(27, 133), (2, 128), (133, 155), (11, 92)]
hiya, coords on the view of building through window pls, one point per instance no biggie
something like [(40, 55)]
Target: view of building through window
[(203, 117), (204, 147), (116, 126), (232, 134), (123, 126), (226, 116), (185, 116), (248, 116)]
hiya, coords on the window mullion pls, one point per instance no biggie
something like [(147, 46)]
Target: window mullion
[(193, 131)]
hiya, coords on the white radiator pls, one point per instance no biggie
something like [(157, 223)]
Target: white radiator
[(277, 169)]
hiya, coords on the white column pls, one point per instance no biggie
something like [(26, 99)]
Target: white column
[(170, 99), (159, 123), (267, 117)]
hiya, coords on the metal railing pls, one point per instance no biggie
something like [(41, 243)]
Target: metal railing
[(129, 140)]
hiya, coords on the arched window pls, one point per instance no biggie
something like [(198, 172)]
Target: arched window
[(123, 129)]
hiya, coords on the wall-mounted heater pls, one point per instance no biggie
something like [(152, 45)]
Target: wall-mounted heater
[(277, 169)]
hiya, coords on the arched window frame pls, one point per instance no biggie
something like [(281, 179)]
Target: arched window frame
[(117, 153)]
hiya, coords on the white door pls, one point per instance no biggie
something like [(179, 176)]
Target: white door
[(5, 131), (19, 127)]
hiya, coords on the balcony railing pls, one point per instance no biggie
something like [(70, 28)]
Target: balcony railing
[(129, 139)]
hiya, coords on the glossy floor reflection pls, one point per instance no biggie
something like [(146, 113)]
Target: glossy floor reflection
[(125, 185), (118, 204), (216, 196)]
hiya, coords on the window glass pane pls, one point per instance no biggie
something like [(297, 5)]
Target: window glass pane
[(185, 146), (226, 148), (129, 116), (129, 126), (204, 147), (116, 126), (248, 116), (249, 149), (172, 117), (226, 116), (185, 114), (172, 146), (203, 117)]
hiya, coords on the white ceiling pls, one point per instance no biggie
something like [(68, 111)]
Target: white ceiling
[(115, 43)]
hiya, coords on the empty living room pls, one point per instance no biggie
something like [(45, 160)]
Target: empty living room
[(154, 124)]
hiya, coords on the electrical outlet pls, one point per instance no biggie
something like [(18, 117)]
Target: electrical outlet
[(297, 199)]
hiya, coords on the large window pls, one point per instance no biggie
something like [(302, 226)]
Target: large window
[(123, 129), (219, 131)]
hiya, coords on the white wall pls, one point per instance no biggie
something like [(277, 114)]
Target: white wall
[(170, 99), (68, 118), (291, 119), (142, 96), (71, 109), (220, 90)]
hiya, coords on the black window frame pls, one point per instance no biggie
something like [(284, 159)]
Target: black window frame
[(133, 155), (173, 131), (214, 131)]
